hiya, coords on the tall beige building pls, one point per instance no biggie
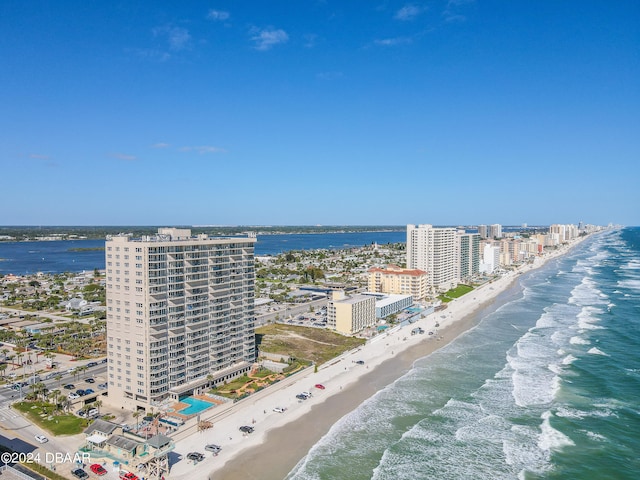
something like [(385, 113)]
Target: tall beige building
[(180, 315), (401, 281), (434, 250)]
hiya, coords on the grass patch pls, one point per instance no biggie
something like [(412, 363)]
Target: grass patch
[(304, 343), (60, 423), (454, 293)]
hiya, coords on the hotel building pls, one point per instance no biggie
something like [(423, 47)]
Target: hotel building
[(350, 314), (400, 281), (180, 315), (434, 250)]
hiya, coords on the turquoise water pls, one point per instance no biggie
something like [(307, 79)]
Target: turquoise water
[(546, 386), (195, 406)]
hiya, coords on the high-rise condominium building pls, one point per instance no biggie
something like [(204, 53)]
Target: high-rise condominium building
[(495, 231), (434, 251), (180, 314), (469, 252), (483, 231)]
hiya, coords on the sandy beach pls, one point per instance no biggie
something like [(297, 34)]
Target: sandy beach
[(281, 440)]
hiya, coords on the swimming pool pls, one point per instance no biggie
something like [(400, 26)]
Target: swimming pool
[(195, 406)]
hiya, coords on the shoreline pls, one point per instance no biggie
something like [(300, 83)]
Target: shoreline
[(272, 451), (258, 462)]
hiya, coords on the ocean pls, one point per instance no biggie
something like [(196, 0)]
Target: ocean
[(22, 258), (546, 386)]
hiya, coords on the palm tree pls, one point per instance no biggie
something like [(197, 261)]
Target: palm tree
[(137, 414), (3, 367), (98, 404)]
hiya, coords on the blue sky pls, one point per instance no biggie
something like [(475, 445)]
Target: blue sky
[(328, 112)]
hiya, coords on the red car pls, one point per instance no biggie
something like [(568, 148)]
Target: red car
[(98, 469), (128, 476), (320, 386)]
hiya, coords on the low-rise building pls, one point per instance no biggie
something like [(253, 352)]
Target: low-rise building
[(388, 304), (107, 440), (349, 315)]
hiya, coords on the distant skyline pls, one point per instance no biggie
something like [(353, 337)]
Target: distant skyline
[(448, 112)]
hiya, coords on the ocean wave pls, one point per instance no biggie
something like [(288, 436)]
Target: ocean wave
[(631, 284), (579, 341), (595, 436), (568, 360), (597, 351), (550, 438), (566, 412)]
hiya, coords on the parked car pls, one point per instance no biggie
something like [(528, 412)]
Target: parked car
[(74, 396), (89, 380), (301, 396), (92, 364), (360, 362), (102, 386), (320, 386), (79, 473), (41, 439), (69, 386), (279, 410), (306, 394), (128, 476), (80, 392), (98, 469), (246, 429), (213, 448), (89, 391), (195, 456)]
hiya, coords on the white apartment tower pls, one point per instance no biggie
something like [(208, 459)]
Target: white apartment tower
[(469, 254), (180, 314), (495, 231), (434, 250)]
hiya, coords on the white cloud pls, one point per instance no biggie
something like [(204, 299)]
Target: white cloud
[(391, 42), (310, 40), (203, 149), (160, 145), (218, 15), (451, 13), (178, 37), (266, 38), (409, 12)]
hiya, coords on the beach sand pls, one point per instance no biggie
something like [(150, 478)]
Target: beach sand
[(285, 446), (281, 440)]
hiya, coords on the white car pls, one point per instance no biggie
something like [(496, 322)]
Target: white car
[(41, 439), (73, 396), (279, 410)]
